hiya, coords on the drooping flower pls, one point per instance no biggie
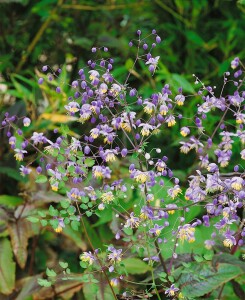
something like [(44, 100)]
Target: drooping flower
[(152, 62), (184, 131), (133, 221), (103, 88), (160, 165), (171, 208), (156, 230), (235, 63), (85, 113), (101, 172), (75, 144), (12, 140), (175, 191), (149, 107), (114, 254), (163, 109), (94, 133), (74, 194), (171, 291), (94, 77), (237, 183), (146, 213), (26, 122), (109, 155), (180, 99), (72, 107), (115, 89), (38, 138), (87, 257), (185, 148), (114, 282), (146, 129), (170, 120), (61, 225), (141, 177), (19, 155), (186, 232), (24, 171)]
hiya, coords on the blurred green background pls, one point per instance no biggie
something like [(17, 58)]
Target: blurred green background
[(198, 36)]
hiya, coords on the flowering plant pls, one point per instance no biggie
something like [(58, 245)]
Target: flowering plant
[(175, 233)]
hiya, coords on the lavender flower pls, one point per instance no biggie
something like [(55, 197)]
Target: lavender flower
[(171, 291), (114, 255)]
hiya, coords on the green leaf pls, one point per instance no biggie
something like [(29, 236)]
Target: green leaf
[(64, 203), (205, 278), (75, 225), (229, 259), (41, 179), (128, 230), (7, 267), (135, 266), (105, 216), (64, 129), (180, 81), (71, 210), (195, 38), (61, 158), (84, 206), (44, 282), (83, 264), (41, 213), (63, 265), (50, 272), (208, 256), (129, 63), (10, 201), (12, 173), (88, 213), (198, 258), (44, 223), (89, 162), (74, 236), (90, 291), (53, 212), (32, 219)]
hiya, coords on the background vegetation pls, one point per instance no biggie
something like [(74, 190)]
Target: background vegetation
[(199, 36)]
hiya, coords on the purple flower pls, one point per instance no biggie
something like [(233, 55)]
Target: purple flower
[(156, 230), (24, 171), (114, 254), (235, 63), (152, 62), (133, 221), (87, 257), (26, 122), (38, 138), (171, 291)]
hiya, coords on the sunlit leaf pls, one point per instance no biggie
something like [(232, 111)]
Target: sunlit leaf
[(10, 201), (135, 266)]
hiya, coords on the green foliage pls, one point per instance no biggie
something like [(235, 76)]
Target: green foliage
[(202, 277), (135, 266)]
